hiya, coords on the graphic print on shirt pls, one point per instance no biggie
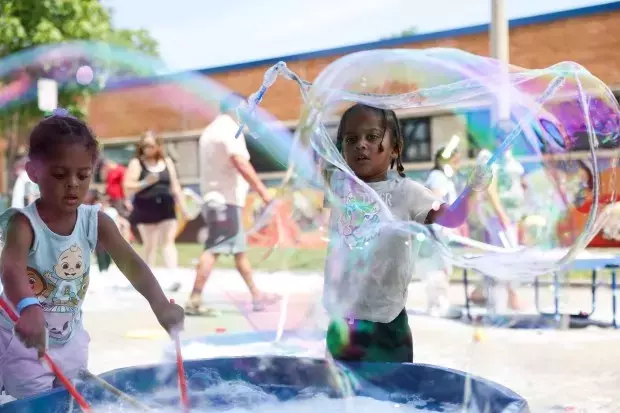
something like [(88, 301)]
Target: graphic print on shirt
[(68, 274), (358, 222), (59, 325), (41, 287), (83, 287)]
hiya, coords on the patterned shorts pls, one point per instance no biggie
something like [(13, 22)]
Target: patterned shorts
[(225, 226), (361, 340)]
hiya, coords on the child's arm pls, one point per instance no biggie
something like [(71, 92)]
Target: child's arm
[(449, 216), (19, 238), (453, 216), (13, 263), (138, 273)]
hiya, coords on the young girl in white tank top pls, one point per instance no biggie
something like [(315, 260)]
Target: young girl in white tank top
[(45, 261)]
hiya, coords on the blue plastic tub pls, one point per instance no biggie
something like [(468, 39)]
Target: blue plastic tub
[(287, 378)]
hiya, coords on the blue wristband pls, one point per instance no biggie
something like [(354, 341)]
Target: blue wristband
[(26, 302)]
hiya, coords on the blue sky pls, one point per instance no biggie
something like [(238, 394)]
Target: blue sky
[(195, 34)]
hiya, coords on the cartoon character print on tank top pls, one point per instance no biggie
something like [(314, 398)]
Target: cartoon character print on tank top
[(58, 270)]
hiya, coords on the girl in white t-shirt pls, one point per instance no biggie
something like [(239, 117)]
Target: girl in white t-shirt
[(369, 265)]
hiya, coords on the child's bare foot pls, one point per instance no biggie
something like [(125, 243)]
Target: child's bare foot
[(263, 300)]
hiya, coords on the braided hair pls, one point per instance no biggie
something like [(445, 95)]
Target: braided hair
[(389, 121), (57, 130)]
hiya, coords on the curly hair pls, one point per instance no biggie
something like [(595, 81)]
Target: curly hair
[(390, 121), (58, 130)]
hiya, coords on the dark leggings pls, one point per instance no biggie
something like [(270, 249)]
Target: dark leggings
[(361, 340)]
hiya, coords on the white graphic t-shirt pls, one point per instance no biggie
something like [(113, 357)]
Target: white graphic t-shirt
[(370, 262)]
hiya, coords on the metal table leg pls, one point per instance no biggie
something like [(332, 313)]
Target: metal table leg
[(466, 285), (556, 296), (537, 295), (593, 293), (614, 292)]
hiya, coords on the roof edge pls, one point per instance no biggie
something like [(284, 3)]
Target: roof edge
[(388, 43)]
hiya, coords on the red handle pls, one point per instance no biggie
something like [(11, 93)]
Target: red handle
[(55, 369), (181, 372)]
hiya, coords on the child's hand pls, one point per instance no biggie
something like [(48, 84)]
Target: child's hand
[(30, 329), (171, 317)]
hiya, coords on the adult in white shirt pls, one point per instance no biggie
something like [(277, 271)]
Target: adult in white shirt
[(225, 178)]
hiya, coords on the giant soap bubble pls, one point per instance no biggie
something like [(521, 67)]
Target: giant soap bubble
[(552, 112), (128, 84), (558, 124)]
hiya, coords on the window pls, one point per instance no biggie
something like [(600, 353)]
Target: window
[(553, 133), (268, 153), (120, 153), (185, 155), (332, 130), (417, 140)]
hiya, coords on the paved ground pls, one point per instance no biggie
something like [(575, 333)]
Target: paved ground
[(578, 368)]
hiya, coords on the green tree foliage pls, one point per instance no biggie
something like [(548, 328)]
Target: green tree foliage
[(25, 24), (137, 40)]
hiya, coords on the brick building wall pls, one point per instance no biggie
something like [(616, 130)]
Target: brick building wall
[(590, 37)]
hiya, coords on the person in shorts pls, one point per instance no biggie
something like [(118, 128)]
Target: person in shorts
[(225, 178)]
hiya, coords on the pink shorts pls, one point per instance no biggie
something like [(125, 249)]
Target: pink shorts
[(23, 375)]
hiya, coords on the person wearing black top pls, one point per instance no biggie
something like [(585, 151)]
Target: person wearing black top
[(152, 180)]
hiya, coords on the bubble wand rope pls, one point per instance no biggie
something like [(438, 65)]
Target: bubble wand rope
[(269, 79), (118, 393), (181, 371), (52, 365)]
